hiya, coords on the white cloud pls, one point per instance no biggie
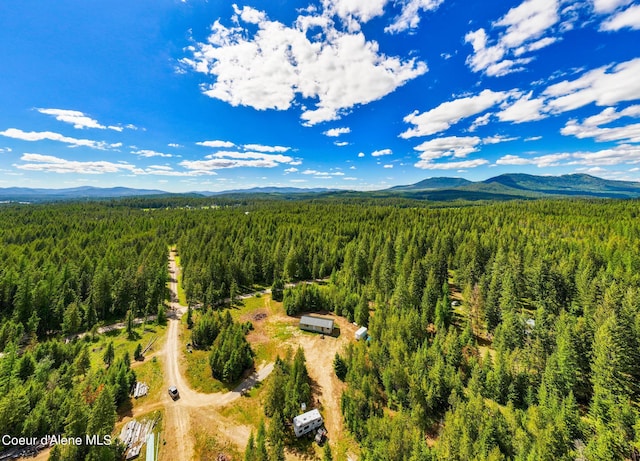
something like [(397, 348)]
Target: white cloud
[(497, 139), (452, 146), (481, 121), (409, 17), (523, 31), (335, 132), (361, 154), (389, 165), (216, 144), (353, 12), (269, 67), (604, 86), (350, 178), (174, 145), (49, 163), (524, 109), (150, 153), (427, 165), (533, 138), (4, 150), (628, 18), (263, 148), (379, 153), (52, 164), (448, 113), (51, 136), (78, 119), (341, 143), (608, 6), (291, 170), (624, 154), (276, 158), (591, 126)]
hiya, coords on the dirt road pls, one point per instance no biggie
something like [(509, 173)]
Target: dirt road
[(193, 406)]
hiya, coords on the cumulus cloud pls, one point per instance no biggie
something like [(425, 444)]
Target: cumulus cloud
[(465, 164), (51, 136), (628, 18), (263, 148), (335, 132), (592, 127), (52, 164), (388, 165), (523, 109), (270, 67), (451, 146), (498, 139), (379, 153), (252, 155), (361, 154), (409, 17), (78, 119), (341, 143), (604, 86), (216, 144), (608, 6), (234, 159), (150, 153), (448, 113), (524, 29), (542, 161), (625, 154), (49, 163)]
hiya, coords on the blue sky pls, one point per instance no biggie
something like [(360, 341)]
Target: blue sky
[(360, 94)]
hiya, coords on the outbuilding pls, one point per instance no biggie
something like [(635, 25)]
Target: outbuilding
[(307, 422), (361, 333), (316, 324)]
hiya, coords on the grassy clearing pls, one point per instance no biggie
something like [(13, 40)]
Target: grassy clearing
[(122, 344), (182, 297), (195, 366), (208, 448), (150, 372), (247, 410)]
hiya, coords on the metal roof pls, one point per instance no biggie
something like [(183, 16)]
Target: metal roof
[(316, 321)]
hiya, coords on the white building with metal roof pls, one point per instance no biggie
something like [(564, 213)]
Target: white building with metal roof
[(317, 324)]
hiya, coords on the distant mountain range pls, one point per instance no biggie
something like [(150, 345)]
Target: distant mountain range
[(503, 187), (518, 185)]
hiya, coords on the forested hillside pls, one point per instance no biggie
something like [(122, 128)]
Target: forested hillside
[(501, 331)]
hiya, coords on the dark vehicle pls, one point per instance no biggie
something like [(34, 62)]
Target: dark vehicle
[(173, 392)]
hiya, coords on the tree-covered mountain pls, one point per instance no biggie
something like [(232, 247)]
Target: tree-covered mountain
[(518, 185)]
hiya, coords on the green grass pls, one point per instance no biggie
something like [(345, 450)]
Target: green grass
[(122, 344), (247, 410), (196, 366), (182, 297), (150, 372)]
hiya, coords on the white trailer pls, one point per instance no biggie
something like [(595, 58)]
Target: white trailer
[(361, 333), (307, 422)]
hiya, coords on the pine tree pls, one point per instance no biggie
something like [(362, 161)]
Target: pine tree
[(109, 354)]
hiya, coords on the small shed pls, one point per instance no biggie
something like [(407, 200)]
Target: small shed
[(361, 333), (316, 324), (307, 422)]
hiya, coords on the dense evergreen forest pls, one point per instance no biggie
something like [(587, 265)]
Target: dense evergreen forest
[(498, 331)]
